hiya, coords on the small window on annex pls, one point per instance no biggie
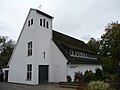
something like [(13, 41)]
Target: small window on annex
[(71, 52), (29, 48), (77, 54)]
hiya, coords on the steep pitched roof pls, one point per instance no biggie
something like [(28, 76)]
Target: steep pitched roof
[(65, 43), (44, 14), (40, 12)]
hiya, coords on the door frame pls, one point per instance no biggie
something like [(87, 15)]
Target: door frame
[(39, 73), (6, 72)]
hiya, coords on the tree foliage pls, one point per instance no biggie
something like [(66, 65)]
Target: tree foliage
[(108, 65), (78, 77), (6, 48), (98, 85), (110, 43), (99, 74), (89, 76), (93, 45), (108, 47)]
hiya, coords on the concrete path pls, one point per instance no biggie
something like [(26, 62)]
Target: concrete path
[(11, 86)]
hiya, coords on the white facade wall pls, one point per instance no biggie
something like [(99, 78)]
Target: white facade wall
[(19, 60), (59, 64), (41, 41), (72, 68), (43, 37)]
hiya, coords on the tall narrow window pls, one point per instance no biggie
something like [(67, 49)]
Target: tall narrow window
[(47, 24), (40, 22), (43, 22), (29, 71), (31, 21), (29, 48)]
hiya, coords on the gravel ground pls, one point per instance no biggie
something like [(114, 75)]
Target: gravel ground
[(11, 86)]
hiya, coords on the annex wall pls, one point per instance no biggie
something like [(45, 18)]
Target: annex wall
[(71, 69)]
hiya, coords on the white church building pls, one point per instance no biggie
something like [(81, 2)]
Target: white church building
[(44, 55)]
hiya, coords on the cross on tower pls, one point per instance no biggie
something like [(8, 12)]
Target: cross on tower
[(40, 6), (44, 54)]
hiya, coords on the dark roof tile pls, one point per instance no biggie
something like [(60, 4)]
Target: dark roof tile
[(65, 42)]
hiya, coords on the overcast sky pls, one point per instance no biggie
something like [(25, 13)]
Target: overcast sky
[(81, 19)]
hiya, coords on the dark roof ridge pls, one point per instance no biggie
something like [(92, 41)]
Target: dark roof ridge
[(66, 43), (47, 15), (71, 42), (68, 36)]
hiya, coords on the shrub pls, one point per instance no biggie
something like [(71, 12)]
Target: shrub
[(69, 78), (78, 77), (98, 74), (1, 75), (110, 77), (89, 76), (98, 85)]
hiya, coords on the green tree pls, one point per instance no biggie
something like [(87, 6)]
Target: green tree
[(94, 45), (89, 76), (108, 65), (98, 74), (111, 41), (108, 47), (110, 44), (6, 49)]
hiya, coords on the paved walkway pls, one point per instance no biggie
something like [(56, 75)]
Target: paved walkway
[(11, 86)]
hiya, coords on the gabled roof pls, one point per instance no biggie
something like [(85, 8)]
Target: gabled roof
[(65, 43), (44, 14)]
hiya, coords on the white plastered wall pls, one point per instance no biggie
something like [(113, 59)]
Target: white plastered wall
[(59, 64), (19, 60), (80, 68), (43, 37)]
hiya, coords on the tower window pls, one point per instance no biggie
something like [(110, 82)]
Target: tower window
[(40, 22), (31, 21), (29, 48), (29, 71), (47, 24), (43, 22)]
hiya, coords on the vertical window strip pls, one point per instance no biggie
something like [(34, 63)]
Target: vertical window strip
[(47, 24), (73, 53), (40, 22), (29, 48), (29, 71), (31, 21), (43, 22)]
